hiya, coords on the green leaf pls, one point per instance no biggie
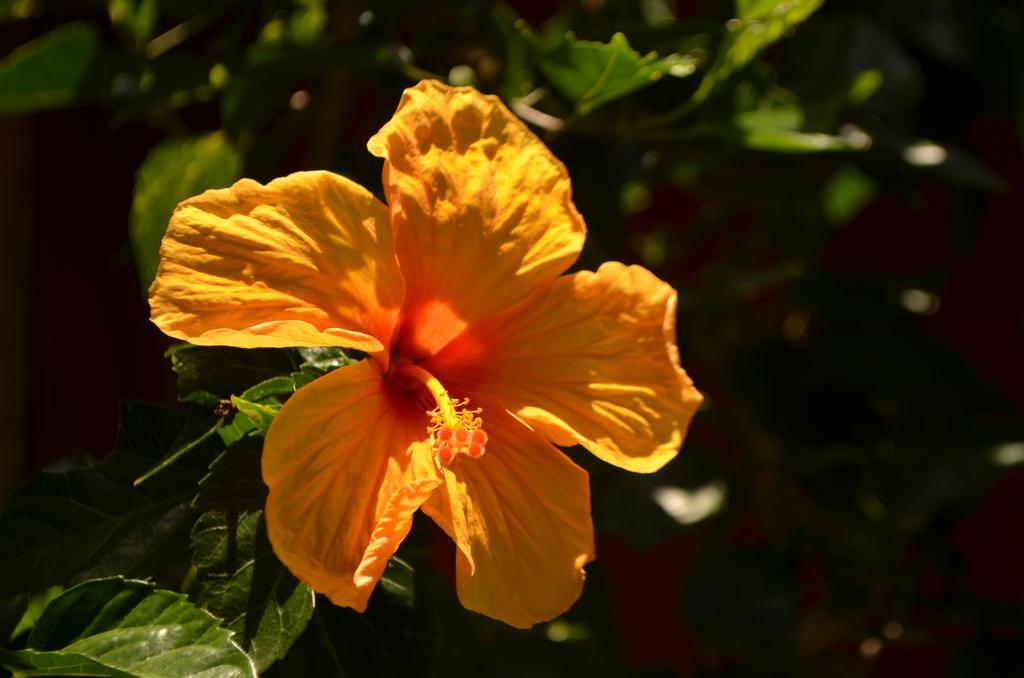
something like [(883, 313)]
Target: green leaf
[(776, 140), (170, 81), (255, 381), (789, 141), (273, 387), (838, 63), (210, 374), (239, 579), (848, 192), (265, 379), (754, 9), (34, 610), (234, 480), (864, 85), (138, 18), (517, 73), (775, 109), (399, 582), (173, 171), (93, 522), (593, 73), (949, 162), (771, 120), (69, 65), (789, 11), (259, 91), (251, 419), (389, 639), (118, 627), (759, 24), (143, 19), (179, 452), (319, 360)]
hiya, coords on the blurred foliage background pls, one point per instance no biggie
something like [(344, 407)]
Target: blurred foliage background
[(833, 186)]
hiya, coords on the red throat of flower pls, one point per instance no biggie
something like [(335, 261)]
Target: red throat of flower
[(454, 428)]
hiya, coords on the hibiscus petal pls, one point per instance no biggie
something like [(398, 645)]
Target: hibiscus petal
[(482, 211), (307, 260), (590, 359), (520, 516), (347, 466)]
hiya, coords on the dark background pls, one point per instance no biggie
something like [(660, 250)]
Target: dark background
[(863, 366)]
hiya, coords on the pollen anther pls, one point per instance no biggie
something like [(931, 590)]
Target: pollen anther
[(445, 453), (454, 428), (457, 433)]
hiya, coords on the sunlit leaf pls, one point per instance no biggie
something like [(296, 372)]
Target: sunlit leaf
[(138, 17), (173, 171), (307, 21), (754, 9), (864, 85), (594, 73), (586, 72), (34, 610), (789, 141), (761, 23), (118, 627), (849, 191), (777, 140), (873, 73), (251, 418), (69, 65), (776, 109)]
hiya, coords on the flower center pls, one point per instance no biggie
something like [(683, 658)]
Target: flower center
[(454, 428)]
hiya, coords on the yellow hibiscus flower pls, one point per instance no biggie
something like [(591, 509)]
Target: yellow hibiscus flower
[(482, 355)]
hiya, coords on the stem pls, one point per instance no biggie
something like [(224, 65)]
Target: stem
[(177, 454)]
